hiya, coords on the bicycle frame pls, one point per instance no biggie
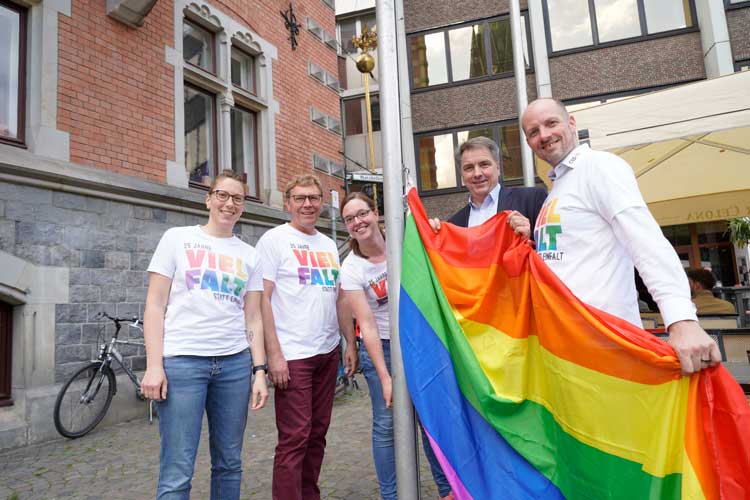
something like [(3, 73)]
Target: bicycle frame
[(109, 351)]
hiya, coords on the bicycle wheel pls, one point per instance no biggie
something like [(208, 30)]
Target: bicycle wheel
[(84, 400)]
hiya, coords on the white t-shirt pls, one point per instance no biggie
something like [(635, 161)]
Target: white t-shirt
[(574, 233), (305, 271), (210, 276), (361, 274)]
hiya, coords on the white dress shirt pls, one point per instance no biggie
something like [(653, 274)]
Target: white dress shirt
[(478, 214)]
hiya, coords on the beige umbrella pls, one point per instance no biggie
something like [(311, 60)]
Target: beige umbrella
[(689, 147)]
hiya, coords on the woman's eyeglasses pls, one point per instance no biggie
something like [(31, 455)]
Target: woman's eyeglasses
[(223, 196), (359, 215)]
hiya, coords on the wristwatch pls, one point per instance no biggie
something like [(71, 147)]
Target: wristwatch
[(263, 367)]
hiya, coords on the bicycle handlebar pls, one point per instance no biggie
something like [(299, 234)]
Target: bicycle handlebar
[(134, 319)]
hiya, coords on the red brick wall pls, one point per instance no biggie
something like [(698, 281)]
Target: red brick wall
[(297, 138), (115, 90)]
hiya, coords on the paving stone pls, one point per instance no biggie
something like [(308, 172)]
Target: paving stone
[(122, 461)]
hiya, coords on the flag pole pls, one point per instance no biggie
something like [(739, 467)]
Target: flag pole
[(519, 70), (393, 188)]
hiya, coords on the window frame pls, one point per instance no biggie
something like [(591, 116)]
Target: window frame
[(460, 188), (256, 174), (20, 140), (736, 5), (488, 52), (596, 44), (253, 72), (360, 99), (215, 129), (357, 17), (214, 49)]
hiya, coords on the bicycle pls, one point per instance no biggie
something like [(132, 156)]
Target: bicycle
[(85, 398)]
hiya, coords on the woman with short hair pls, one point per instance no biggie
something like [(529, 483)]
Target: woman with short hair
[(202, 313)]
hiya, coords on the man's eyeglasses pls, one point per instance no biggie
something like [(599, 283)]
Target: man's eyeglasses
[(223, 196), (300, 198), (359, 215)]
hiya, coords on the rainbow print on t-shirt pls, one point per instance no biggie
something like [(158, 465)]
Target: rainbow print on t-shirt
[(548, 228), (315, 268), (224, 275)]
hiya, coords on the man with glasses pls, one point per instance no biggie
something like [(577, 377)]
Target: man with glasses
[(299, 305), (479, 161)]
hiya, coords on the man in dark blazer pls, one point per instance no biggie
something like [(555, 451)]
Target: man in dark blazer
[(479, 161)]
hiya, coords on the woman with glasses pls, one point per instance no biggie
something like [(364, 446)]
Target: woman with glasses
[(364, 276), (202, 313)]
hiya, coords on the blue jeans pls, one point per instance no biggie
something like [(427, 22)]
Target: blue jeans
[(220, 386), (382, 432)]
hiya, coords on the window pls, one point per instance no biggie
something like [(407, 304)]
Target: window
[(198, 46), (583, 23), (428, 62), (348, 30), (438, 169), (468, 53), (12, 72), (200, 135), (244, 147), (667, 15), (351, 27), (243, 70), (617, 19), (465, 52), (355, 115)]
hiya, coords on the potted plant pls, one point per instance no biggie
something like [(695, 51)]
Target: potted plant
[(739, 231)]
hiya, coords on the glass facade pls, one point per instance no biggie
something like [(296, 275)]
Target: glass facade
[(470, 51), (582, 23), (437, 166)]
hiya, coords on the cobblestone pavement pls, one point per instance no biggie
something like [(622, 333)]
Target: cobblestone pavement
[(122, 461)]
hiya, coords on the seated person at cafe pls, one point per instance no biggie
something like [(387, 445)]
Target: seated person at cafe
[(701, 282)]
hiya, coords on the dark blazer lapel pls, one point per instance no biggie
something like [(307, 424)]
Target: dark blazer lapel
[(504, 200), (461, 218)]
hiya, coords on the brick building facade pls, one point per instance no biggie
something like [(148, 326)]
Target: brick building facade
[(109, 134)]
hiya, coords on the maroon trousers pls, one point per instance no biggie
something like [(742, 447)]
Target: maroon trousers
[(303, 413)]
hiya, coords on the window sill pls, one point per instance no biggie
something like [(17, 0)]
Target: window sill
[(13, 142), (247, 100), (202, 78)]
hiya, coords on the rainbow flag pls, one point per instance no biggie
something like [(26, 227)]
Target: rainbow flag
[(526, 392)]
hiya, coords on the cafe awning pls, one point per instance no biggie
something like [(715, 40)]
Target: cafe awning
[(689, 147)]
